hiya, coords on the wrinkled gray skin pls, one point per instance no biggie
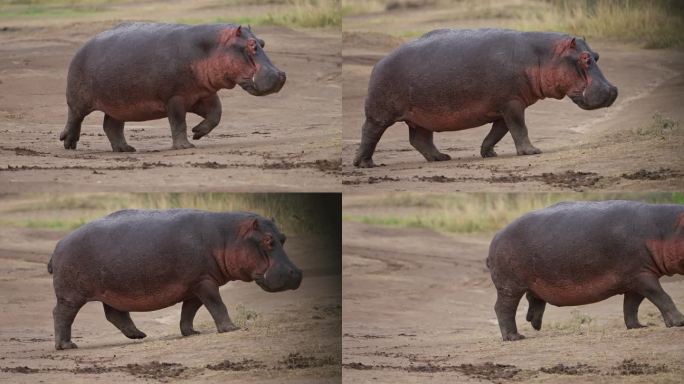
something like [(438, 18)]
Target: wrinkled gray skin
[(584, 252), (450, 80), (146, 71), (140, 260)]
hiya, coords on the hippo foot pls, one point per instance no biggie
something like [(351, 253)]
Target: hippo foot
[(513, 337), (69, 142), (675, 323), (200, 132), (227, 328), (488, 152), (189, 332), (135, 334), (183, 145), (530, 150), (122, 148), (65, 345), (364, 163), (635, 326), (438, 157)]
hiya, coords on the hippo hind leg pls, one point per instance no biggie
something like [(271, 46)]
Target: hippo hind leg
[(535, 312), (64, 314), (210, 109), (370, 135), (188, 312), (506, 305), (498, 131), (122, 320), (421, 140), (72, 130), (631, 309), (114, 129)]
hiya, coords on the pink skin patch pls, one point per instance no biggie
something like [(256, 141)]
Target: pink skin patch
[(569, 292), (221, 71), (555, 80), (141, 110), (668, 253), (157, 298), (465, 117)]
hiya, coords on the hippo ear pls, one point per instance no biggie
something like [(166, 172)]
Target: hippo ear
[(238, 31), (249, 226), (572, 43)]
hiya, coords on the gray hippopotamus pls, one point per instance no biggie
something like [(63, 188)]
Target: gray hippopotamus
[(140, 260), (577, 253), (449, 80), (145, 71)]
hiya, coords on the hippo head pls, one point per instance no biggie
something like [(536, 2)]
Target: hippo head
[(259, 256), (246, 63), (577, 75)]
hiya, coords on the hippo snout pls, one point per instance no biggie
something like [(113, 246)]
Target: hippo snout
[(295, 278), (266, 82)]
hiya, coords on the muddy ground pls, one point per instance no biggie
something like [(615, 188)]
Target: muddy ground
[(418, 306), (289, 141), (624, 147), (288, 337)]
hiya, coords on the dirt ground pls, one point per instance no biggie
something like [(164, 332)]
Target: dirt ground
[(618, 148), (289, 141), (288, 337), (418, 306)]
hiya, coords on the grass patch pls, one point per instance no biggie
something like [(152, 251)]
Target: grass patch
[(576, 324), (468, 213), (660, 127), (294, 13), (51, 8), (293, 212)]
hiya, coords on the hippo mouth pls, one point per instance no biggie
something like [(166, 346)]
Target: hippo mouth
[(274, 85), (260, 280), (581, 100)]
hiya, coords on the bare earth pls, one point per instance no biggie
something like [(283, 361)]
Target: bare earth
[(608, 149), (288, 337), (284, 142), (418, 306)]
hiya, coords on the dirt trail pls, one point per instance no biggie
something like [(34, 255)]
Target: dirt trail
[(289, 337), (418, 307), (607, 149), (284, 142)]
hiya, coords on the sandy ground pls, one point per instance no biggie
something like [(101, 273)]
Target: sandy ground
[(289, 141), (606, 149), (418, 306), (288, 337)]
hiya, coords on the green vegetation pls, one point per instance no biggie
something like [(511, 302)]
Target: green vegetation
[(293, 212), (650, 23), (576, 324), (294, 13), (660, 127), (468, 213)]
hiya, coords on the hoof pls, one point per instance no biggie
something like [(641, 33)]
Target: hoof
[(513, 337), (529, 151), (189, 332), (65, 345), (488, 152), (135, 334), (635, 326), (227, 328), (199, 132), (364, 163), (438, 157), (183, 145), (675, 323), (122, 148)]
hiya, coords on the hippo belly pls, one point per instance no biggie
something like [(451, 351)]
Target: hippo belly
[(451, 118), (140, 110), (564, 293), (143, 301)]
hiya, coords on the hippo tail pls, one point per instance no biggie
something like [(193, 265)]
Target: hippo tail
[(49, 266)]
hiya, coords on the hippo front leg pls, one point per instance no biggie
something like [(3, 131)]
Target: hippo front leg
[(630, 307), (210, 109), (179, 128), (514, 117), (649, 286), (209, 295)]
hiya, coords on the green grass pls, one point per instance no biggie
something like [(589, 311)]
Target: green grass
[(468, 213), (575, 324), (296, 13), (50, 8), (661, 127), (293, 212)]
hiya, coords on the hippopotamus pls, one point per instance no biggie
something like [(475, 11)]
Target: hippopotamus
[(449, 80), (145, 260), (576, 253), (146, 71)]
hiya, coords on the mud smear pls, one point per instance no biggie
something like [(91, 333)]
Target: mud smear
[(630, 367), (209, 164), (436, 179), (660, 174), (570, 179), (486, 371), (244, 365), (299, 361), (577, 369)]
